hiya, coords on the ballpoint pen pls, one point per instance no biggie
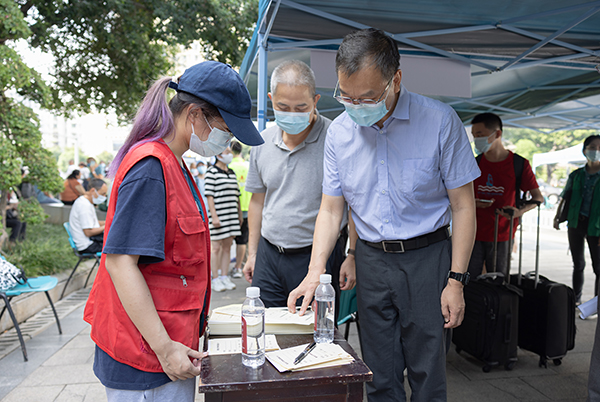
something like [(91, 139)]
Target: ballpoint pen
[(305, 352)]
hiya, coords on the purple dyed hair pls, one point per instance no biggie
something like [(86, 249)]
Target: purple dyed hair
[(155, 118)]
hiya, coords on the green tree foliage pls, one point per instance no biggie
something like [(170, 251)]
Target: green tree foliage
[(547, 141), (526, 148), (107, 52), (20, 137), (530, 142)]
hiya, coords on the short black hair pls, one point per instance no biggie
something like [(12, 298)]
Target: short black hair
[(96, 183), (491, 121), (589, 140), (236, 147), (366, 47)]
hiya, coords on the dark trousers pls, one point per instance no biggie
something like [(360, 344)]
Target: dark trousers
[(483, 251), (401, 322), (278, 274), (96, 246), (577, 238), (18, 229)]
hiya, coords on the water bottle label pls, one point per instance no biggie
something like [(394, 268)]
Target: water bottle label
[(244, 336)]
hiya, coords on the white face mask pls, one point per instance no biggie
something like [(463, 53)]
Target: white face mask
[(226, 159), (218, 140), (592, 155), (99, 199)]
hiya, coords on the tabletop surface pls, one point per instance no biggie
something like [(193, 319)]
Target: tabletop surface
[(227, 373)]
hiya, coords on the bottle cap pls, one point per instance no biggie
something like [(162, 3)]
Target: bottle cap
[(252, 291), (325, 278)]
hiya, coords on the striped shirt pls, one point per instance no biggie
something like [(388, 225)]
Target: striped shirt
[(223, 187)]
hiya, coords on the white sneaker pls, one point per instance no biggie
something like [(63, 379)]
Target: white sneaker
[(227, 282), (236, 273), (217, 285)]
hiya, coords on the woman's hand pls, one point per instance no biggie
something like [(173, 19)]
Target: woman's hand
[(175, 361)]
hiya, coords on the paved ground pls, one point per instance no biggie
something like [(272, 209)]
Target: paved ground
[(60, 366)]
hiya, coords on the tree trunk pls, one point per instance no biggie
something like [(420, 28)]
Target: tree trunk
[(3, 203)]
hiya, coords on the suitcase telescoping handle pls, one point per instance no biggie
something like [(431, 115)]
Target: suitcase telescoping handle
[(510, 212), (537, 246)]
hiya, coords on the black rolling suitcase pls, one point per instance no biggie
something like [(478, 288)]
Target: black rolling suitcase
[(546, 313), (490, 328)]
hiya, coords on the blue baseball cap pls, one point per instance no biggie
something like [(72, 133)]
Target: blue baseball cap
[(218, 84)]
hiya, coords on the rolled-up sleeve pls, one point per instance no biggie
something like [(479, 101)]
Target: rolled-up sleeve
[(331, 177)]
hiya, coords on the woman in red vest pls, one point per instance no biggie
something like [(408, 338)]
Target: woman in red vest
[(150, 299)]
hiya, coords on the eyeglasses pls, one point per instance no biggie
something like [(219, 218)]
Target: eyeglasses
[(347, 100), (220, 127)]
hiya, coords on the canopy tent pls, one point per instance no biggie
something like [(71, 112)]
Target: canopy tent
[(534, 63), (573, 154)]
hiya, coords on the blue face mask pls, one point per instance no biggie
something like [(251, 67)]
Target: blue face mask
[(201, 169), (292, 122), (367, 114)]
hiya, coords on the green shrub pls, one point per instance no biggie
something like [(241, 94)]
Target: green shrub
[(45, 250)]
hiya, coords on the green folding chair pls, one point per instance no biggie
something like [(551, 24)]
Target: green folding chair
[(348, 311)]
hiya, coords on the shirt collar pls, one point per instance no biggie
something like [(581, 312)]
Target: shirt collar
[(402, 106)]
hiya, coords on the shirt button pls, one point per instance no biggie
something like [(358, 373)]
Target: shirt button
[(382, 162), (382, 191), (380, 131), (387, 220)]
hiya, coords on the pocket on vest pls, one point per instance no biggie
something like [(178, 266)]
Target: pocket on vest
[(190, 240), (179, 311)]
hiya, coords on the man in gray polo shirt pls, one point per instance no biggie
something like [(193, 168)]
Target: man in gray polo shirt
[(285, 179)]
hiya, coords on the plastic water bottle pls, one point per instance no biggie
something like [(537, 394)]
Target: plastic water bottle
[(323, 307), (253, 329)]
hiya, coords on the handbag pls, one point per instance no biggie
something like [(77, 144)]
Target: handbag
[(12, 214), (10, 275), (563, 214)]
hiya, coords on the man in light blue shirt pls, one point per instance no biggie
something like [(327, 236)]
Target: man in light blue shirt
[(404, 164)]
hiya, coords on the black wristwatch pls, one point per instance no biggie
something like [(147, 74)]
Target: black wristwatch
[(462, 278)]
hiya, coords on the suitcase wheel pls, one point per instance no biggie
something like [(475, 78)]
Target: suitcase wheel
[(486, 368), (543, 362), (509, 366), (557, 362)]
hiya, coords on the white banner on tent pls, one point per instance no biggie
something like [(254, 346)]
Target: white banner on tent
[(423, 75)]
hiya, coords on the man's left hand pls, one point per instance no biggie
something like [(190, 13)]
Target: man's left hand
[(453, 304), (517, 214), (348, 273)]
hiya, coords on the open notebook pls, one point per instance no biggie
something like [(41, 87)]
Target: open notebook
[(227, 320), (322, 356)]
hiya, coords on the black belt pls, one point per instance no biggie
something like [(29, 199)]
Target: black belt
[(400, 246), (291, 251)]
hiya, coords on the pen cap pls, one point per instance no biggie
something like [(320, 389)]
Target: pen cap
[(325, 278), (253, 291)]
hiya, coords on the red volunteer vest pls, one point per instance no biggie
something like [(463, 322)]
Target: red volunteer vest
[(180, 285)]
